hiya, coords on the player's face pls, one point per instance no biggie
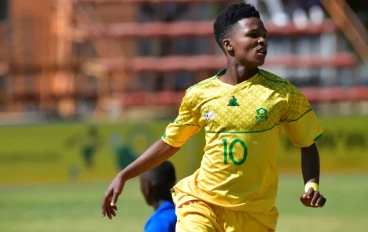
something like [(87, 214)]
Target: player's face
[(145, 190), (248, 42)]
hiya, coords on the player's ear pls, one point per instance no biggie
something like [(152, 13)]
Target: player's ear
[(227, 45), (145, 187)]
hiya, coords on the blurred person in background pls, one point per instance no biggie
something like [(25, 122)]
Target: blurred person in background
[(124, 154), (305, 12), (89, 142), (155, 187), (243, 110), (275, 8)]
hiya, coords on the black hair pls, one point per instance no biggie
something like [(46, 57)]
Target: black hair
[(228, 18), (161, 178)]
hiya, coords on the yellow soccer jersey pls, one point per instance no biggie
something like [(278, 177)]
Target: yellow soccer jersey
[(243, 124)]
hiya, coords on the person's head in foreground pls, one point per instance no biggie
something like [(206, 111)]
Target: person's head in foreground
[(240, 33), (156, 184)]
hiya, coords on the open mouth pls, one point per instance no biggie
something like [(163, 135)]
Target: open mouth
[(262, 51)]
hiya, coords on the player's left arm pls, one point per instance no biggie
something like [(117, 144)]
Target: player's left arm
[(310, 169), (301, 125)]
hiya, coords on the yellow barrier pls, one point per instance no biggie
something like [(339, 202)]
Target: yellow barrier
[(81, 152), (67, 152), (343, 147)]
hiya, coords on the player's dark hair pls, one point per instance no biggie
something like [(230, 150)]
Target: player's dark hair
[(229, 16), (162, 178)]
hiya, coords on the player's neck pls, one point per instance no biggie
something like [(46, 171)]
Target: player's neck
[(157, 204), (236, 73)]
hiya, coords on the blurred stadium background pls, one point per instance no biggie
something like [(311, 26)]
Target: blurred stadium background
[(87, 85)]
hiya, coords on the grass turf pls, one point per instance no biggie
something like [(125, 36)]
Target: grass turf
[(76, 207)]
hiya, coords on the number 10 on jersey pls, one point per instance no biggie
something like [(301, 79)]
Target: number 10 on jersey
[(228, 151)]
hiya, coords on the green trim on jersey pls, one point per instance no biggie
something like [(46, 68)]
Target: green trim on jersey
[(258, 131), (221, 72), (318, 138), (203, 83), (281, 81), (242, 132), (300, 116)]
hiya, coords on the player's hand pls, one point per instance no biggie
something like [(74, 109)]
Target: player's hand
[(313, 199), (111, 197)]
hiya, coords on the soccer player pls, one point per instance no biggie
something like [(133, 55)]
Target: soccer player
[(155, 187), (243, 110)]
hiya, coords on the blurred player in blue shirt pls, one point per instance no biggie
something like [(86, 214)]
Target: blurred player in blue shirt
[(155, 187)]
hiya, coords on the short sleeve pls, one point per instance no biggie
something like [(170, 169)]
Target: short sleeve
[(300, 122), (185, 125)]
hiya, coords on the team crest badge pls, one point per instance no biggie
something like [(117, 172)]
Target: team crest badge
[(261, 115)]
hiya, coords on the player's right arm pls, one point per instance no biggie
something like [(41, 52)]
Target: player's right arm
[(177, 133), (152, 157)]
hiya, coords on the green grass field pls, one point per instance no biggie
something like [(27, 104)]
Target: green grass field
[(76, 207)]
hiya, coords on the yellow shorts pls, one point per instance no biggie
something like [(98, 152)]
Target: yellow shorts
[(194, 215)]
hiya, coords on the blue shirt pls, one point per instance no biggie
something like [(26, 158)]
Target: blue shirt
[(163, 219)]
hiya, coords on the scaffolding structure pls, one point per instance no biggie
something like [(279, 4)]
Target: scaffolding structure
[(76, 51)]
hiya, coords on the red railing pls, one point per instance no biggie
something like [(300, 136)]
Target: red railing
[(188, 28), (208, 62), (313, 94)]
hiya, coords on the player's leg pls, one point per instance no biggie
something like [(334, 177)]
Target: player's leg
[(235, 221), (251, 224), (194, 215)]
